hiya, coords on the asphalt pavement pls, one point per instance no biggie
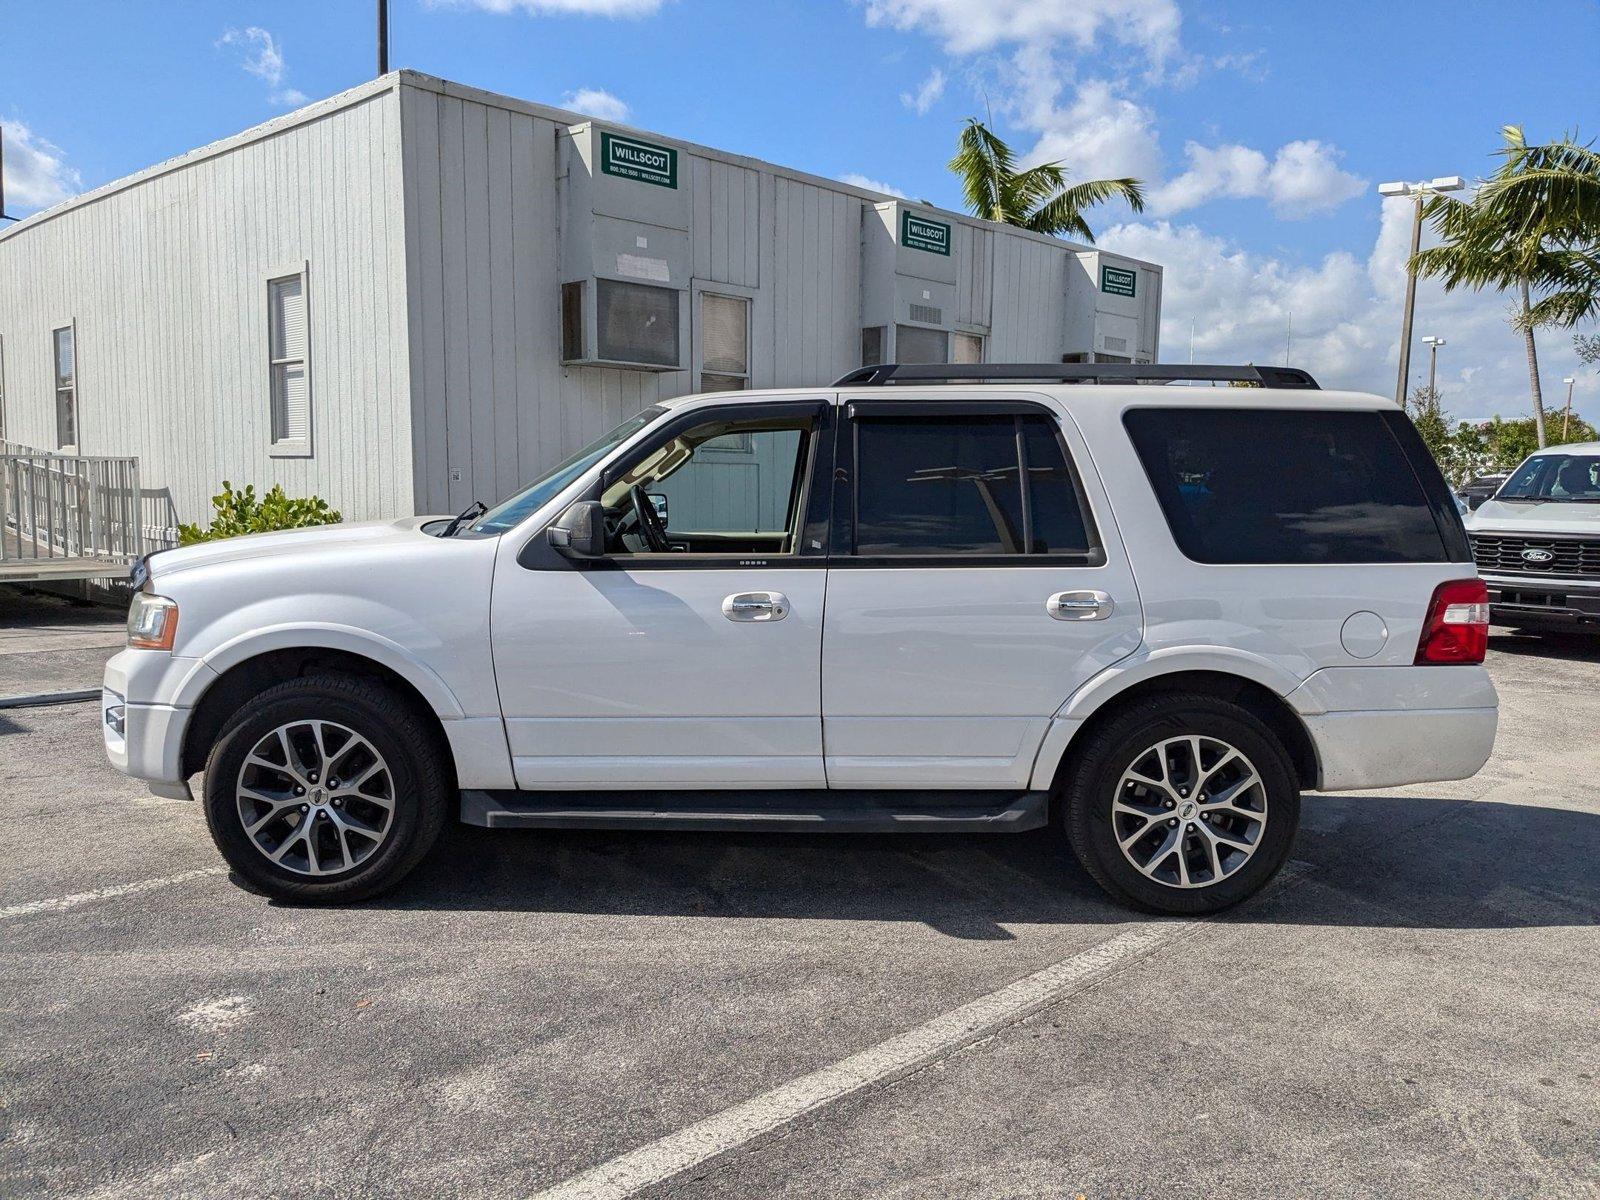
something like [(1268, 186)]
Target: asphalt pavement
[(1414, 1010)]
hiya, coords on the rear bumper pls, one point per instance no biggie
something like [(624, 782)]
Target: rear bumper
[(1386, 726)]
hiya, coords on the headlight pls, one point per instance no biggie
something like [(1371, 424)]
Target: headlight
[(152, 622)]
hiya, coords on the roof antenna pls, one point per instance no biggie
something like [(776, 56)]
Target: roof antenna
[(4, 216)]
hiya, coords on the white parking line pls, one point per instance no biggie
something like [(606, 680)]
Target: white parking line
[(677, 1152), (62, 903)]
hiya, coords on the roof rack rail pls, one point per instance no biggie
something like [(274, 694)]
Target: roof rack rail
[(1250, 375)]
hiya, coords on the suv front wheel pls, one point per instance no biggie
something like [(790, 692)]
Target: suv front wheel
[(1182, 804), (324, 788)]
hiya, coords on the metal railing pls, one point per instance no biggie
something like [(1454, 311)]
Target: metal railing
[(68, 506)]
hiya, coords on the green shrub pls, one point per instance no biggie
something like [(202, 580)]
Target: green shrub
[(240, 512)]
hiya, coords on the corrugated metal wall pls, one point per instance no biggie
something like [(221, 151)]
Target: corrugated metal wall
[(492, 403), (166, 279)]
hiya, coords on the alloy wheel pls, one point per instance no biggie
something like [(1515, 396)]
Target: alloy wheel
[(1189, 811), (315, 798)]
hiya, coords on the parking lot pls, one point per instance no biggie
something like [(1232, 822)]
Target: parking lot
[(1413, 1009)]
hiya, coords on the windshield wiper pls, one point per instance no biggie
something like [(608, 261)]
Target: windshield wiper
[(471, 513)]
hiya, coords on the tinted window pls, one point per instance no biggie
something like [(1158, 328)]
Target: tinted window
[(740, 482), (1057, 510), (938, 485), (1263, 486)]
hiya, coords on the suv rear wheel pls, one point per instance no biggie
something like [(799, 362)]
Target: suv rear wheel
[(324, 788), (1182, 804)]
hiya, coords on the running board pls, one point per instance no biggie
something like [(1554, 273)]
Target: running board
[(815, 811)]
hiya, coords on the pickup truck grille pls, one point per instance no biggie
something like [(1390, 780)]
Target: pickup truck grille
[(1503, 555)]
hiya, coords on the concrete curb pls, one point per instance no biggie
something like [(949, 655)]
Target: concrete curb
[(30, 700)]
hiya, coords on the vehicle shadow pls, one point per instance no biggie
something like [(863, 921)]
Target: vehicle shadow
[(1571, 647), (1384, 861)]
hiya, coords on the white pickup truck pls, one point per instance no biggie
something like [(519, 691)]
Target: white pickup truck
[(932, 598), (1537, 541)]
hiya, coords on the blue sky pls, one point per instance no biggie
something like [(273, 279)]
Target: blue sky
[(1259, 128)]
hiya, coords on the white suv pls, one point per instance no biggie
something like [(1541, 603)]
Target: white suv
[(923, 598)]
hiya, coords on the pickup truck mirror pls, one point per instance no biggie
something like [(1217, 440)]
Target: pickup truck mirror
[(580, 532)]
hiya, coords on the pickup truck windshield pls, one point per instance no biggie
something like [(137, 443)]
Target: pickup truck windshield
[(509, 513), (1571, 477)]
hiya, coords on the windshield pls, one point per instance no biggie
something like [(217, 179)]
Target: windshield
[(1568, 477), (511, 512)]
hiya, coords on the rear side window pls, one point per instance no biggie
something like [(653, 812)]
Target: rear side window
[(965, 485), (1271, 486)]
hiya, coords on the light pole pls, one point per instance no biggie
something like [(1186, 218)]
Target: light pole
[(383, 37), (1420, 191), (1566, 416), (1433, 344)]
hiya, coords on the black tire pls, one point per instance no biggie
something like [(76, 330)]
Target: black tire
[(1113, 748), (409, 748)]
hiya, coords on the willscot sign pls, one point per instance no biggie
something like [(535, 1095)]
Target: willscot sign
[(644, 161), (919, 233)]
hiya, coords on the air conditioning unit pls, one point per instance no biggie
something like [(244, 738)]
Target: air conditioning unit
[(625, 252), (910, 260)]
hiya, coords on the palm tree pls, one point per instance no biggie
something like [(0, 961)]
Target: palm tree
[(1038, 198), (1533, 228)]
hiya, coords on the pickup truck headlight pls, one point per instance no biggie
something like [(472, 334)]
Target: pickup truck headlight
[(152, 622)]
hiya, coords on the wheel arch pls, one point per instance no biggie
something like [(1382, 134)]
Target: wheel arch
[(232, 686), (1255, 697)]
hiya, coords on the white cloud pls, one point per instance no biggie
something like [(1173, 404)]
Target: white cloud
[(1099, 135), (927, 93), (872, 185), (1306, 178), (1302, 178), (262, 57), (1343, 314), (559, 8), (596, 102), (37, 174), (970, 26)]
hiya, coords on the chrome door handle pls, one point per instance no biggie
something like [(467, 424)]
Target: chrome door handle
[(1079, 606), (756, 606)]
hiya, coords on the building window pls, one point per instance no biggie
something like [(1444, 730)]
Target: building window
[(66, 360), (286, 354), (913, 344), (872, 346), (724, 343), (2, 388), (966, 347)]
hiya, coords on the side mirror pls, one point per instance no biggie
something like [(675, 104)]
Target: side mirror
[(580, 532), (659, 500)]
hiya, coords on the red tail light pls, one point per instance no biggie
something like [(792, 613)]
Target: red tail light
[(1457, 628)]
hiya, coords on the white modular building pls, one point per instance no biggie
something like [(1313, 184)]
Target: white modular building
[(416, 294)]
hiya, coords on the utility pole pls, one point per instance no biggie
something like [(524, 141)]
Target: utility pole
[(383, 37), (1433, 344), (1419, 191), (1566, 416)]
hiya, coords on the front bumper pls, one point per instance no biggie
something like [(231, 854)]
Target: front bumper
[(1387, 726), (143, 739), (1517, 597)]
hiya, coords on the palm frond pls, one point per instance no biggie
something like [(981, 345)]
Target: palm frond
[(1063, 214), (983, 163)]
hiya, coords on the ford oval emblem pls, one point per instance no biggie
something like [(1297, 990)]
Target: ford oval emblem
[(1536, 555)]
